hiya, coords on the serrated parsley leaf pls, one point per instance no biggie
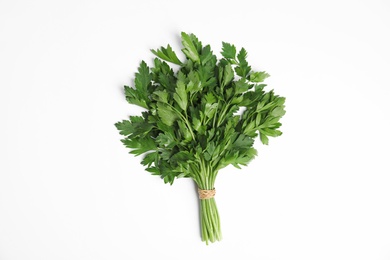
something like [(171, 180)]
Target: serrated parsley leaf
[(225, 75), (166, 113), (243, 68), (207, 55), (264, 139), (258, 76), (241, 86), (142, 80), (228, 50), (270, 132), (134, 97), (125, 127), (150, 159), (190, 50), (243, 142), (167, 54), (278, 111), (244, 158), (161, 96), (181, 96), (166, 140), (139, 146)]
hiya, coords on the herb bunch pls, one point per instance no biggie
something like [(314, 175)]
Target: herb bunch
[(200, 118)]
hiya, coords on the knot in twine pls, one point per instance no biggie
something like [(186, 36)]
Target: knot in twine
[(206, 194)]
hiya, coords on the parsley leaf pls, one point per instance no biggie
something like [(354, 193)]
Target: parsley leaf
[(228, 51), (190, 50), (180, 95), (142, 80), (166, 113), (140, 145), (243, 68), (258, 76), (134, 97), (167, 54)]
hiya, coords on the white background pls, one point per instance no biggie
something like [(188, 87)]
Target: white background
[(70, 190)]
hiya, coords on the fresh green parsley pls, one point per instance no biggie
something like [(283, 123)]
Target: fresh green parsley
[(191, 126)]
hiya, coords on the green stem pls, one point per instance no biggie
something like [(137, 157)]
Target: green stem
[(209, 216), (215, 116), (222, 117), (185, 118), (210, 222)]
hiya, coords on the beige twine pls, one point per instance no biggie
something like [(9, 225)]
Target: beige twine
[(206, 194)]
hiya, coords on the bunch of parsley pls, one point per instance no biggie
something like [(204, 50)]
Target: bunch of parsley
[(200, 118)]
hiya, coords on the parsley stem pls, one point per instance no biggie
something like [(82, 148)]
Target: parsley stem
[(210, 222), (185, 118), (215, 116), (222, 116)]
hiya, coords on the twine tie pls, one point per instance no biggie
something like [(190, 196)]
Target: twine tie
[(206, 194)]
